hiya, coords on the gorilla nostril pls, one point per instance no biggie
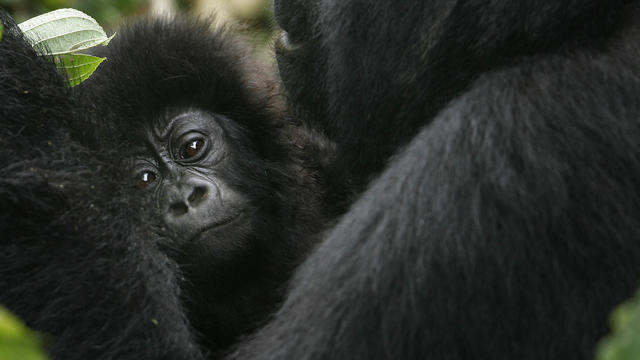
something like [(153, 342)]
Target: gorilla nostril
[(178, 209), (198, 194)]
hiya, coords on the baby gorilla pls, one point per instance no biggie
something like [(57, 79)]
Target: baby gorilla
[(197, 126)]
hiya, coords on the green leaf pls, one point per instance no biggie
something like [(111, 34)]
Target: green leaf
[(77, 67), (17, 342), (63, 31), (1, 30), (624, 342)]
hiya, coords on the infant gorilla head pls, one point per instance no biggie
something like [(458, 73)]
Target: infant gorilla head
[(235, 190), (184, 161), (197, 171)]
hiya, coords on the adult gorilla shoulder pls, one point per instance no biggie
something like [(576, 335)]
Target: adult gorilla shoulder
[(505, 224)]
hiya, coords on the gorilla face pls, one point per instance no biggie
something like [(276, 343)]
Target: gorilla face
[(185, 166)]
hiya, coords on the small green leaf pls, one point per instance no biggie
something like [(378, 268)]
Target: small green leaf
[(63, 31), (77, 67), (1, 30), (624, 341), (17, 342)]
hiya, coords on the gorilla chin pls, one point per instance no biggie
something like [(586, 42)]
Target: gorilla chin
[(223, 225)]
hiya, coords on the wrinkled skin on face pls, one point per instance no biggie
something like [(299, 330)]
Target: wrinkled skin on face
[(220, 228), (183, 165)]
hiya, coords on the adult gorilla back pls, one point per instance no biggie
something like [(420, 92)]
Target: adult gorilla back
[(506, 222)]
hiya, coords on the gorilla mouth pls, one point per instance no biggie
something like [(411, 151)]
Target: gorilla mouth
[(216, 226)]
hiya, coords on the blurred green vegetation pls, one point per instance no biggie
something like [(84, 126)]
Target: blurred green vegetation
[(106, 12), (624, 341), (17, 342), (250, 17)]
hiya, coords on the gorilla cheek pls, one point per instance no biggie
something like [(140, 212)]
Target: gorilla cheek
[(220, 249)]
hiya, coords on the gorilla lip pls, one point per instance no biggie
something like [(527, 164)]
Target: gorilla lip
[(215, 226)]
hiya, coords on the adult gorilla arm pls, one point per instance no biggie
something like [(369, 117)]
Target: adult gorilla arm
[(73, 262), (506, 229), (372, 73)]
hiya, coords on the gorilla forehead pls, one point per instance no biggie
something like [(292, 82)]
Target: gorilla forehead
[(181, 121), (173, 78), (150, 134)]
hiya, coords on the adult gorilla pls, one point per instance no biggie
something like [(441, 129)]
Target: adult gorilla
[(505, 224)]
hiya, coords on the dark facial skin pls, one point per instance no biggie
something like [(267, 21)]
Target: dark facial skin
[(189, 154), (211, 192)]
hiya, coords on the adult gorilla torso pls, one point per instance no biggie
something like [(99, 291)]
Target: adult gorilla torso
[(504, 223), (495, 145)]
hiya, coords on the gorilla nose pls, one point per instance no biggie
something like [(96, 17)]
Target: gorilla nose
[(188, 204), (180, 206)]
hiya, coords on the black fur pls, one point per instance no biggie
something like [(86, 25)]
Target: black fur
[(86, 259), (501, 222), (158, 66), (506, 222), (74, 263)]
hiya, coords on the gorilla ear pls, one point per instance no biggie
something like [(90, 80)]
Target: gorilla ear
[(62, 33)]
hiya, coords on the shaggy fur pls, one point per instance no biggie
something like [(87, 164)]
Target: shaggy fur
[(74, 264), (506, 223), (86, 259), (495, 144), (160, 66)]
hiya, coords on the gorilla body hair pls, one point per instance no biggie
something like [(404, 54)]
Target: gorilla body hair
[(111, 270), (180, 76), (495, 145), (503, 218), (74, 264)]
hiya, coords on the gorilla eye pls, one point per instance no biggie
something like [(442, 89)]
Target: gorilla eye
[(191, 149), (145, 178)]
